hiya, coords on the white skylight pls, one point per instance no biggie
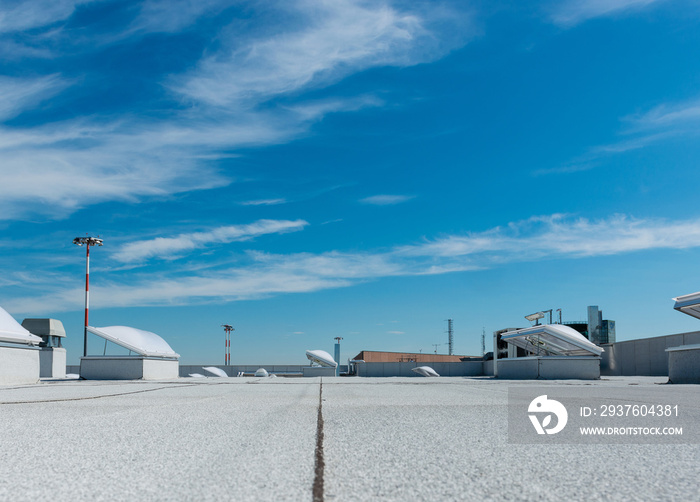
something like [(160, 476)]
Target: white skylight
[(12, 332), (552, 339), (136, 340), (322, 358), (689, 304)]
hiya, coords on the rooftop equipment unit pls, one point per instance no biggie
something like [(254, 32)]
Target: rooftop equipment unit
[(154, 359), (552, 339), (19, 353)]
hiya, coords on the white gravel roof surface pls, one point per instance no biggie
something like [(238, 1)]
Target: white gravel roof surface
[(256, 439)]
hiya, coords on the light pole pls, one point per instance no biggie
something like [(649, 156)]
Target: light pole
[(227, 343), (87, 241)]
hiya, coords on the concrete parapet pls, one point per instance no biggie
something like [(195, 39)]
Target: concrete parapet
[(317, 371), (19, 365), (127, 368), (404, 369), (549, 368)]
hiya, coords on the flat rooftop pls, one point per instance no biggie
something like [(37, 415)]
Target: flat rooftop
[(386, 438)]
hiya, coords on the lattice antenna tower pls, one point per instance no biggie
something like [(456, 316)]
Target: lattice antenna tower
[(483, 341), (450, 337)]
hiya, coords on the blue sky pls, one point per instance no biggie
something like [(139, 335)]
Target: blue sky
[(312, 169)]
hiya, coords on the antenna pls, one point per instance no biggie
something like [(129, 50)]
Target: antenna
[(483, 341), (436, 345), (450, 336)]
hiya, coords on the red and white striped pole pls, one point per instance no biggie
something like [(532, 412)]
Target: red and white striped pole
[(87, 241), (87, 298)]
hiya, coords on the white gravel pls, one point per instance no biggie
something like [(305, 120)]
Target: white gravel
[(254, 439)]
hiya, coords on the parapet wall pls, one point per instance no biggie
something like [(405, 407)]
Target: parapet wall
[(464, 368), (643, 357)]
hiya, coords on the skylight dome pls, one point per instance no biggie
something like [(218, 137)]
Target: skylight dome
[(136, 340), (552, 339), (322, 358), (12, 332)]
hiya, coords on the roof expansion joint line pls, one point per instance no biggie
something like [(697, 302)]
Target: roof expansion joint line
[(87, 398), (319, 463)]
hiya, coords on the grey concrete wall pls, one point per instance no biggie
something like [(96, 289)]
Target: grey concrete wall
[(315, 371), (563, 368), (684, 364), (186, 369), (52, 362), (462, 368), (549, 368), (520, 368), (127, 368), (160, 369), (19, 365), (643, 357)]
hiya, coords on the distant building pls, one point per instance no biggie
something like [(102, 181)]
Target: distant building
[(596, 329), (370, 356)]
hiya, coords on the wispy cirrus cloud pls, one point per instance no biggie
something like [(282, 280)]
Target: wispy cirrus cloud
[(663, 122), (386, 200), (263, 202), (169, 247), (19, 94), (324, 42), (573, 12), (233, 94), (552, 237), (17, 15)]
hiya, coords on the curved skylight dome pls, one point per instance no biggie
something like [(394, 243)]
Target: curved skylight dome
[(215, 371), (12, 332), (322, 358), (552, 339), (136, 340), (426, 371), (262, 372)]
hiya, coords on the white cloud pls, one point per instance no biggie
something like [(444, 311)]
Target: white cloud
[(538, 238), (19, 15), (168, 16), (18, 94), (661, 123), (318, 43), (263, 202), (386, 200), (57, 168), (667, 115), (572, 12), (168, 247)]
